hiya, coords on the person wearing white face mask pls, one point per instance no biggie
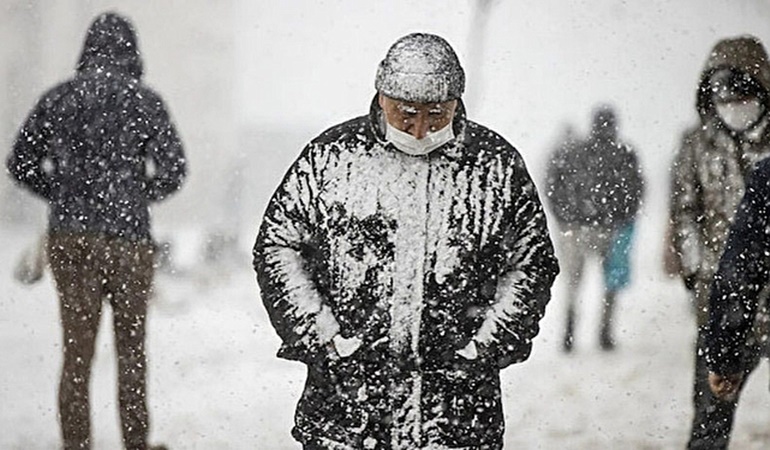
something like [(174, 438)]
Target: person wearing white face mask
[(405, 259), (411, 145), (708, 181), (740, 115), (739, 101)]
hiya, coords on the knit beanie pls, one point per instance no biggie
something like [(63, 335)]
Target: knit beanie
[(421, 68)]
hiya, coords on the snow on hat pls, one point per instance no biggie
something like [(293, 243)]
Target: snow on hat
[(421, 68)]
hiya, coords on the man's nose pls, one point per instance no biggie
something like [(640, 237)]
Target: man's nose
[(420, 127)]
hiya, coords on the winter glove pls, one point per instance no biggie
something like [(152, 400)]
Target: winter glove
[(725, 387), (29, 269)]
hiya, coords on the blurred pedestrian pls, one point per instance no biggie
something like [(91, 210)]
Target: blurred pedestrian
[(405, 259), (595, 190), (737, 333), (99, 148), (708, 178)]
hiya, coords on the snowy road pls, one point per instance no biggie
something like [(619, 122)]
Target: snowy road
[(215, 383)]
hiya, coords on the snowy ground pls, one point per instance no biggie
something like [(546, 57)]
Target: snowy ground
[(216, 384)]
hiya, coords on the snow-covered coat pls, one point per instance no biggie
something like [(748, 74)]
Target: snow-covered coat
[(100, 147), (710, 171), (416, 256)]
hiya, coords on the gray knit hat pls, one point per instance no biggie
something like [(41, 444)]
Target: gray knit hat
[(421, 68)]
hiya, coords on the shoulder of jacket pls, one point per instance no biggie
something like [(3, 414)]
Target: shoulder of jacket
[(357, 129), (691, 140), (631, 155), (55, 94), (346, 135), (694, 134), (483, 139), (145, 93)]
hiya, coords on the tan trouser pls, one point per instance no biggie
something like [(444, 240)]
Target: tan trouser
[(575, 245), (88, 269)]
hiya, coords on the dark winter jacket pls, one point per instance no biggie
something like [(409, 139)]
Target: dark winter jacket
[(710, 170), (596, 182), (101, 146), (417, 256), (737, 300)]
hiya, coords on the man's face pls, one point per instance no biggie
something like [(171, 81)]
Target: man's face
[(417, 119)]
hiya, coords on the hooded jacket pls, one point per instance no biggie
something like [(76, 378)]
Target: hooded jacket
[(596, 182), (101, 146), (416, 256), (711, 169)]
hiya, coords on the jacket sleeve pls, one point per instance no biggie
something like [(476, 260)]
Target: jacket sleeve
[(685, 209), (524, 285), (561, 201), (742, 275), (164, 149), (31, 148), (285, 271)]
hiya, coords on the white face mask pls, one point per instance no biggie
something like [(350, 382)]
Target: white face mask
[(740, 115), (417, 147)]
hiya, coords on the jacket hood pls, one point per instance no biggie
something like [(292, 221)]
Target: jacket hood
[(111, 43), (743, 53), (605, 123)]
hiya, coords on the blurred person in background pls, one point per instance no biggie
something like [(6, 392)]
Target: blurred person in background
[(595, 189), (406, 260), (99, 148), (708, 178), (737, 333)]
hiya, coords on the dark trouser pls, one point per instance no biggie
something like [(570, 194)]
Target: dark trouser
[(713, 420), (88, 269)]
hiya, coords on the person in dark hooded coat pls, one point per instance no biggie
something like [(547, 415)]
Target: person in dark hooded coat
[(595, 190), (709, 174), (406, 260), (99, 148)]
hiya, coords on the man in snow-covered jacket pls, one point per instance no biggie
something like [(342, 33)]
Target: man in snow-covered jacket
[(99, 148), (708, 178), (405, 259)]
